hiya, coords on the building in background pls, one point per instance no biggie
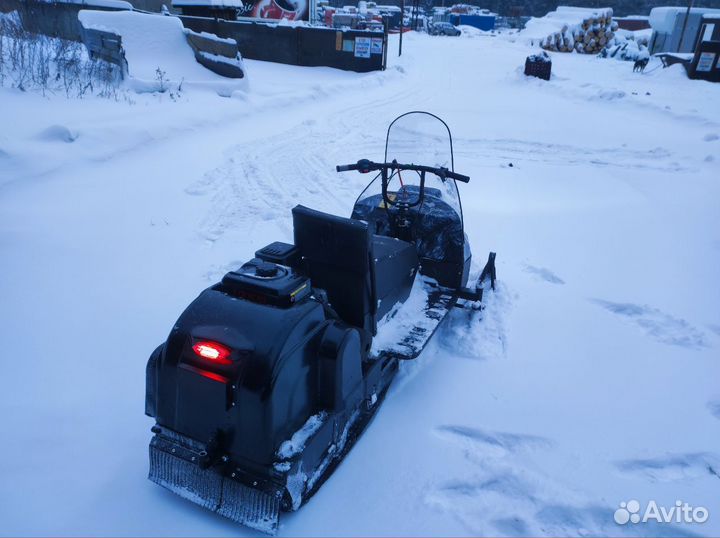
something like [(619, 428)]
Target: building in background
[(676, 30), (231, 10)]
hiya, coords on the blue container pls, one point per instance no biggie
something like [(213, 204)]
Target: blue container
[(481, 22)]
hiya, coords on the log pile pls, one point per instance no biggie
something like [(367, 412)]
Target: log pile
[(590, 36)]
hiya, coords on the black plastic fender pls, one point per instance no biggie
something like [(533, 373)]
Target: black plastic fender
[(339, 368)]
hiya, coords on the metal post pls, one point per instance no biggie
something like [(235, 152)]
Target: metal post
[(311, 12), (402, 20), (682, 32)]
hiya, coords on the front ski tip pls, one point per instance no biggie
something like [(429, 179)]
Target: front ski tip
[(488, 271)]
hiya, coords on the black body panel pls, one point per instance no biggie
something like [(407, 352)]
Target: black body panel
[(270, 380), (436, 228)]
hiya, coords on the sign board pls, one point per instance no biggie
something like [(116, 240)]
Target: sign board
[(704, 63), (348, 45), (294, 10), (362, 47), (376, 47)]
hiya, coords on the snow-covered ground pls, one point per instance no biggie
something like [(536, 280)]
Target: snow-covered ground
[(592, 380)]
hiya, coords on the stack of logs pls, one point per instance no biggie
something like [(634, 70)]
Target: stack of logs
[(590, 37)]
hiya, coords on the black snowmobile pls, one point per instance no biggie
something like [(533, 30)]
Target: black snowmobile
[(269, 376)]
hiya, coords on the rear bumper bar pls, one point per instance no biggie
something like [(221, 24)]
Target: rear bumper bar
[(174, 464)]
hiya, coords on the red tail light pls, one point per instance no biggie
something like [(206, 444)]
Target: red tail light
[(212, 351)]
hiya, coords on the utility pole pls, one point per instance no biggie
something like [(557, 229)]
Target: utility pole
[(402, 21), (682, 32), (313, 12)]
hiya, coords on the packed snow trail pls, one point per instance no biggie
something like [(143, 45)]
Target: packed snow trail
[(590, 380)]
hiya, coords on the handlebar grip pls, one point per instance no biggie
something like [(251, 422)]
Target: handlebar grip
[(458, 177), (346, 167), (363, 166)]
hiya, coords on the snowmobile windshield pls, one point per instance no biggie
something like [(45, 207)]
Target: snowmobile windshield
[(418, 138)]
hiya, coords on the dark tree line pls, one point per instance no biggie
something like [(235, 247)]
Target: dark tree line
[(538, 8)]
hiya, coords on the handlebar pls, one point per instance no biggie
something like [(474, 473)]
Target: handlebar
[(364, 166)]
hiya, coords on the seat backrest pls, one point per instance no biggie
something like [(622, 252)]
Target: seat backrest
[(336, 254)]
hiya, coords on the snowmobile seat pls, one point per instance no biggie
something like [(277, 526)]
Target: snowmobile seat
[(363, 274)]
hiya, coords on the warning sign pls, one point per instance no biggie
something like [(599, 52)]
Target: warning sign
[(362, 47), (705, 62)]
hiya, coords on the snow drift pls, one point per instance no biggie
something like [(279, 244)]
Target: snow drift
[(157, 52)]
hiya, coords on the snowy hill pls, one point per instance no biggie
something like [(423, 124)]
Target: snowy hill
[(591, 381)]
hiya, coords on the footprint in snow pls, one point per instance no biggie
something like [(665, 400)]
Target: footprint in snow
[(544, 274), (673, 467), (658, 325), (711, 137), (484, 442), (499, 495)]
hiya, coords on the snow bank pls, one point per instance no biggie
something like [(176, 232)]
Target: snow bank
[(157, 52)]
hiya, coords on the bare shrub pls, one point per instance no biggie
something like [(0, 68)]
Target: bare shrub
[(47, 64)]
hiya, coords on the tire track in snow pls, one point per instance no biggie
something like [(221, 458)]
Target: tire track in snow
[(518, 150), (260, 182)]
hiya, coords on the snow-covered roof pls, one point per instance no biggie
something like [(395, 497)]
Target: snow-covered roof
[(662, 19)]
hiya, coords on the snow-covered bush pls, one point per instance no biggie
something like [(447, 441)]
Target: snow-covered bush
[(46, 64), (628, 46)]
